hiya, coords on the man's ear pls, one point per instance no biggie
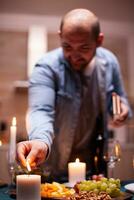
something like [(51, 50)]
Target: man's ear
[(100, 39), (59, 33)]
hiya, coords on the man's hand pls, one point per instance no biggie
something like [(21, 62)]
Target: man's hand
[(34, 151), (120, 119)]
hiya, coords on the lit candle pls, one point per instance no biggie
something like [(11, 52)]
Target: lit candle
[(13, 130), (28, 187), (117, 149), (96, 162), (76, 171)]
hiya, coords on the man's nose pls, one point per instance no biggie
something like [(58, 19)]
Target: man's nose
[(75, 55)]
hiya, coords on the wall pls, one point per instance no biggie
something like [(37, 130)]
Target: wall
[(13, 54)]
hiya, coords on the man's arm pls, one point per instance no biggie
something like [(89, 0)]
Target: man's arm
[(120, 90), (40, 118)]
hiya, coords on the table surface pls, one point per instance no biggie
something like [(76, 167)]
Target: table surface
[(4, 191)]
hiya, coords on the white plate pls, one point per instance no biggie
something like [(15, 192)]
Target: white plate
[(130, 187), (70, 185)]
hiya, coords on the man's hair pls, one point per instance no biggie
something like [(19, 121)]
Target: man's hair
[(95, 26)]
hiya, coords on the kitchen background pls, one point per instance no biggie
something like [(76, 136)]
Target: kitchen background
[(17, 17)]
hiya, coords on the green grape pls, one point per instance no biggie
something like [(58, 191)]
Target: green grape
[(111, 180), (96, 191), (117, 181), (81, 187), (92, 186), (104, 179), (86, 182), (98, 183), (108, 190), (87, 187), (103, 186), (115, 193), (111, 186)]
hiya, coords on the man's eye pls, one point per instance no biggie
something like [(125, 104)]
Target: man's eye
[(86, 48), (66, 47)]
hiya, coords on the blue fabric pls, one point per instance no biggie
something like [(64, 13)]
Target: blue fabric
[(4, 194), (55, 99)]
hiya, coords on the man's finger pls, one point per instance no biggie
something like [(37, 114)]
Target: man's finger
[(21, 154)]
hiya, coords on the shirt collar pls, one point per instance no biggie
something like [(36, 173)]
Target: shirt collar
[(90, 67)]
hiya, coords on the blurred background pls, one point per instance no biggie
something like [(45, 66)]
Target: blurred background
[(22, 22)]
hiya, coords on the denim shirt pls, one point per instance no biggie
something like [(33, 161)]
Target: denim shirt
[(55, 99)]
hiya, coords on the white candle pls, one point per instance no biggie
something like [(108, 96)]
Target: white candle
[(12, 152), (76, 171), (28, 187)]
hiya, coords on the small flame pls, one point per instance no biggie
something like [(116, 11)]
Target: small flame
[(95, 159), (28, 165), (77, 160), (0, 143), (117, 149), (14, 121)]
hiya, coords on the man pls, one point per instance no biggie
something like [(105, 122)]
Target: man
[(70, 96)]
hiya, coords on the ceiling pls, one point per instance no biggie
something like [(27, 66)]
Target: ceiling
[(122, 10)]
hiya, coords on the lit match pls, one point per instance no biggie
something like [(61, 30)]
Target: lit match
[(28, 166)]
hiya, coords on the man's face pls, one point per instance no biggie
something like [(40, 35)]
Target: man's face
[(78, 48)]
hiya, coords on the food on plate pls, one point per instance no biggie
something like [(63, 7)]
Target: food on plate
[(83, 195), (111, 186), (55, 190)]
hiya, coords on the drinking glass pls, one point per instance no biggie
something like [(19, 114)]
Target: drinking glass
[(12, 165), (113, 156)]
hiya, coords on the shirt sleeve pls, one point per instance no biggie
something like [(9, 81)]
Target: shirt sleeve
[(41, 105), (118, 84)]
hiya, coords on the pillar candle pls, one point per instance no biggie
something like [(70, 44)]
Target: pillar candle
[(28, 187), (12, 152), (76, 171)]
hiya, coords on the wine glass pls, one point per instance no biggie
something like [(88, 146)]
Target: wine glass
[(12, 165), (113, 156)]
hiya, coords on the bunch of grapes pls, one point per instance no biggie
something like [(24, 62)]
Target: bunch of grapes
[(111, 186)]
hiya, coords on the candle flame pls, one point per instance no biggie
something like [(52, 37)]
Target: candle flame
[(14, 121), (77, 160), (95, 159), (0, 143), (28, 166), (117, 149)]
